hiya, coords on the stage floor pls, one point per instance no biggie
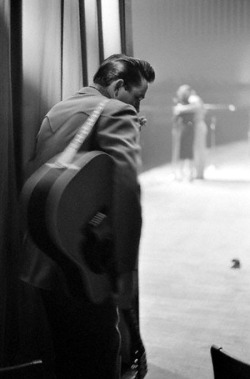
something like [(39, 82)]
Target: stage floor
[(190, 297)]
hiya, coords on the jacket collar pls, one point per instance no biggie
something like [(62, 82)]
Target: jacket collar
[(89, 90)]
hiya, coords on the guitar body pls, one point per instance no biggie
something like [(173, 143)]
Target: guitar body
[(64, 207)]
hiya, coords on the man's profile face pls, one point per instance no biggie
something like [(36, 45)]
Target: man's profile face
[(134, 95)]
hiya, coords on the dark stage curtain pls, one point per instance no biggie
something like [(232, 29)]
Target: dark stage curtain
[(40, 64), (51, 61), (52, 70)]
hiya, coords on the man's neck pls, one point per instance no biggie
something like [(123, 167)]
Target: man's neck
[(101, 89)]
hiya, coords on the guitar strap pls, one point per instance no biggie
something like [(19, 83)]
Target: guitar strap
[(68, 154)]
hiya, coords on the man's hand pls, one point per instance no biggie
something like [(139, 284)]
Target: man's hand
[(142, 121)]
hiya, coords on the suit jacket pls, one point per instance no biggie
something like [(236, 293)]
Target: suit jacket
[(117, 133)]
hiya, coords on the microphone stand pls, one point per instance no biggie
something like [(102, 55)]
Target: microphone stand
[(212, 138)]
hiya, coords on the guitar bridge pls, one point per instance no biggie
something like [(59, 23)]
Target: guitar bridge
[(97, 219), (99, 243)]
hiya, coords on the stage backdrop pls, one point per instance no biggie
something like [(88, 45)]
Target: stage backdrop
[(204, 43)]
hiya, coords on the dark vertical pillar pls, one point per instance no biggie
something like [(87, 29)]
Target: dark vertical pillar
[(62, 31), (16, 83), (100, 30), (83, 42), (125, 9)]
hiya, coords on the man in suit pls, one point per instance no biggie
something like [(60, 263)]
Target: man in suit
[(86, 337)]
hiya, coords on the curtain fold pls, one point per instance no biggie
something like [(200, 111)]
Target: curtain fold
[(42, 66), (72, 57)]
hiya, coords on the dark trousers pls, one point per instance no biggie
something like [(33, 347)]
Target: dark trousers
[(85, 337)]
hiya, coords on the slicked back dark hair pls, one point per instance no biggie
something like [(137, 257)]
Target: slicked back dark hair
[(120, 66)]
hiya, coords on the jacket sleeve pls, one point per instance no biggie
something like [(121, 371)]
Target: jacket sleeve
[(118, 135)]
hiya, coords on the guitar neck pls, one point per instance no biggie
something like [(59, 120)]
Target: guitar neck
[(71, 150)]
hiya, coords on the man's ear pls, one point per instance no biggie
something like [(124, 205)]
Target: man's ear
[(114, 87), (118, 84)]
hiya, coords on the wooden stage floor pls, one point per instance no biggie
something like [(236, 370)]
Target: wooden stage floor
[(190, 297)]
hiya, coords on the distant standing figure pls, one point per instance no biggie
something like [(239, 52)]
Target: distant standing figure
[(183, 135), (200, 140), (189, 134)]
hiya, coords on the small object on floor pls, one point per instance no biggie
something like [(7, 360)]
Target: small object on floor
[(236, 263)]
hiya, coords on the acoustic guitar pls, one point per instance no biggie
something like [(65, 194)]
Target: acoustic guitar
[(68, 214)]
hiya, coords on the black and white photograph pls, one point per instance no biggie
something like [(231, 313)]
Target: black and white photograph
[(125, 189)]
